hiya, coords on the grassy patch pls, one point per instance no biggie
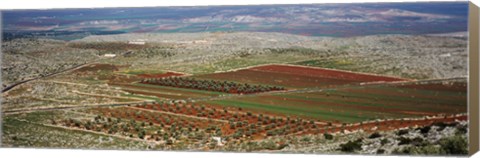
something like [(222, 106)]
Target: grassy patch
[(291, 110), (137, 72)]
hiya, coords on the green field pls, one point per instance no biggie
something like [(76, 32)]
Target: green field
[(356, 104), (162, 92)]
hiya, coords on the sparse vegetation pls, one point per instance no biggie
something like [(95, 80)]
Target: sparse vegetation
[(104, 105)]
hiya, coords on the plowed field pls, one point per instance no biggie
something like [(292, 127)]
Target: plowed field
[(297, 76)]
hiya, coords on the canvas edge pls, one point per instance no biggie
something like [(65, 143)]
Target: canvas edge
[(473, 83), (1, 59)]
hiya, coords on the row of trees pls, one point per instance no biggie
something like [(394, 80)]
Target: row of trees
[(211, 85)]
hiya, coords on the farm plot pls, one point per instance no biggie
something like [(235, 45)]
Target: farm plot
[(235, 122), (359, 103), (296, 76), (229, 123), (210, 85), (158, 130), (177, 123), (164, 91)]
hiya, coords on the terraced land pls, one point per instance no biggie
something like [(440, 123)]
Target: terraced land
[(106, 103), (322, 94), (316, 101)]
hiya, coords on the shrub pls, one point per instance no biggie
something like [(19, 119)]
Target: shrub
[(281, 146), (456, 145), (248, 133), (236, 135), (412, 150), (402, 132), (384, 141), (77, 123), (212, 144), (374, 135), (270, 145), (461, 130), (328, 136), (141, 135), (239, 124), (380, 151), (404, 141), (425, 130), (169, 142), (270, 133), (351, 146), (427, 150), (305, 139), (300, 128), (417, 141)]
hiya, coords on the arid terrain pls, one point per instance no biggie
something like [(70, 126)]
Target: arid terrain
[(238, 91)]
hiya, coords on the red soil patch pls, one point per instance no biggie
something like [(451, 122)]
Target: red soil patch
[(324, 73), (274, 78), (296, 76), (233, 114), (168, 74)]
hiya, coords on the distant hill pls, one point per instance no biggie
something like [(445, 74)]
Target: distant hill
[(337, 20)]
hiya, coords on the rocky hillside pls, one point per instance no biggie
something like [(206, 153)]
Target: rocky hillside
[(419, 57), (408, 56)]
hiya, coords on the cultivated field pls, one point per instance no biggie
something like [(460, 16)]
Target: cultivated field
[(195, 97), (296, 76)]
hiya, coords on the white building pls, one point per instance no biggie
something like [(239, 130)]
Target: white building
[(109, 55), (137, 42), (219, 141)]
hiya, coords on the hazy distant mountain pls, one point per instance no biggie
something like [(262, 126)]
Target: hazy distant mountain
[(341, 20)]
